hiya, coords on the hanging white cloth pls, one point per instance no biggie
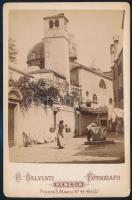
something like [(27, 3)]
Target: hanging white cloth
[(117, 112)]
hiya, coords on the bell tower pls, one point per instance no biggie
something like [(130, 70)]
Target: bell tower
[(56, 42)]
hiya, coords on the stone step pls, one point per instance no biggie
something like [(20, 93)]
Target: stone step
[(99, 142)]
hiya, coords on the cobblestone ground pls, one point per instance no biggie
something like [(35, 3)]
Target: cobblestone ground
[(74, 152)]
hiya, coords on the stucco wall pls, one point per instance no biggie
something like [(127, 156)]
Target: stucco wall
[(36, 121)]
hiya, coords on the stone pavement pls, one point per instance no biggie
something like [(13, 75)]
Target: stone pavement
[(74, 152)]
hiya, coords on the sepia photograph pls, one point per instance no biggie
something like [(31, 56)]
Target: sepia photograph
[(65, 86), (66, 99)]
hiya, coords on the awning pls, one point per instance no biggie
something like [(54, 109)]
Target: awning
[(98, 110)]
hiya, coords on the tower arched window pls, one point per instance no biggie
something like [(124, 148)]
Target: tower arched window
[(51, 24), (94, 98), (102, 84), (56, 23)]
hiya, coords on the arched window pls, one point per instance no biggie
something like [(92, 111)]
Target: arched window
[(51, 24), (102, 84), (95, 98), (110, 100), (56, 23)]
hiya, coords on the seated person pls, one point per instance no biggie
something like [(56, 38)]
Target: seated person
[(26, 140)]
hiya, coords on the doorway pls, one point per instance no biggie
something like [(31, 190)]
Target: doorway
[(11, 129), (55, 113)]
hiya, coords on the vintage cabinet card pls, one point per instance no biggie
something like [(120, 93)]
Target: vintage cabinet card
[(66, 99)]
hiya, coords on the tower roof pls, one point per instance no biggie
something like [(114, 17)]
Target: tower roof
[(61, 15), (36, 55)]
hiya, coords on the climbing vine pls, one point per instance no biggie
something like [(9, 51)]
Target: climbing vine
[(40, 93), (35, 92)]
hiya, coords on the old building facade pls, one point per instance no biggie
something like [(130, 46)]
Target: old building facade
[(93, 85), (116, 51)]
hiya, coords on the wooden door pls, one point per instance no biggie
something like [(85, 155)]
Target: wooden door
[(11, 118)]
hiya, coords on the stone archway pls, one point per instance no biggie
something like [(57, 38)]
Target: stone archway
[(14, 95)]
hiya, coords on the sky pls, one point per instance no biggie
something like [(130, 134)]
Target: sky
[(93, 32)]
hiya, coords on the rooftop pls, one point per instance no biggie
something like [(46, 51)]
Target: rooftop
[(75, 65), (98, 110), (11, 67), (39, 71)]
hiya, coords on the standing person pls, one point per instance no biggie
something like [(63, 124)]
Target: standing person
[(60, 135)]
